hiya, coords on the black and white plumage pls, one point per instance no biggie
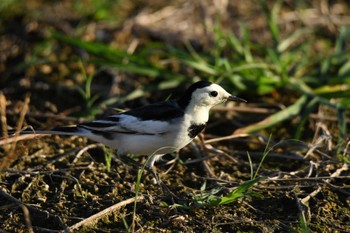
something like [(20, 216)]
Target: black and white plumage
[(155, 129)]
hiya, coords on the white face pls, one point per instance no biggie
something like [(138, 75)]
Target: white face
[(209, 96)]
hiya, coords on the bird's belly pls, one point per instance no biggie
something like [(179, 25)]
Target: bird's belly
[(151, 144)]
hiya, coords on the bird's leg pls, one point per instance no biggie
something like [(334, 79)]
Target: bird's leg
[(162, 185), (149, 166)]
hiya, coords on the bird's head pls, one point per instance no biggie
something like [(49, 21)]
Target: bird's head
[(206, 94)]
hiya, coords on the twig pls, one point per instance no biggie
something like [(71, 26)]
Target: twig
[(34, 209), (86, 148), (11, 156), (13, 139), (300, 206), (226, 138), (245, 109), (96, 217), (345, 153), (198, 159), (272, 155), (204, 163), (3, 115), (172, 163), (217, 180), (289, 187), (59, 117), (27, 218), (318, 141), (337, 173), (317, 117), (340, 189), (209, 148), (307, 178), (219, 152)]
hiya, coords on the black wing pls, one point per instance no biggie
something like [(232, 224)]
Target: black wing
[(137, 121), (164, 111)]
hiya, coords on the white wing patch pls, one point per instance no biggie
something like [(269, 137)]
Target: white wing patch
[(123, 123), (133, 124)]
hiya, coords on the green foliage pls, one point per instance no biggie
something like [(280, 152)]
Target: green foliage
[(303, 227), (108, 56), (86, 91), (210, 198), (10, 8), (239, 192), (108, 158), (265, 153), (289, 63), (98, 9), (78, 191)]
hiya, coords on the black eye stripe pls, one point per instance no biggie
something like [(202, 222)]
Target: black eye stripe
[(213, 93)]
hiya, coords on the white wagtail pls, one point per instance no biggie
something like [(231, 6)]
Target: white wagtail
[(155, 129)]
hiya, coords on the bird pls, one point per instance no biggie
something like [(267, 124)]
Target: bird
[(156, 129)]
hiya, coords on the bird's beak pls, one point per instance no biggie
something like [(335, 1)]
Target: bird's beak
[(236, 99)]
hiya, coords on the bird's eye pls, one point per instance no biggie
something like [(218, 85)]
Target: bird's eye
[(213, 93)]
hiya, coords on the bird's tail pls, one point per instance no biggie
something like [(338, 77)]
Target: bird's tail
[(29, 133), (64, 130)]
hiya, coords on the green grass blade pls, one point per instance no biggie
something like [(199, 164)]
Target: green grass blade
[(272, 19), (266, 152), (237, 193), (276, 118), (286, 43), (310, 107), (108, 56), (201, 66), (343, 39), (133, 68), (251, 166), (93, 47), (341, 114)]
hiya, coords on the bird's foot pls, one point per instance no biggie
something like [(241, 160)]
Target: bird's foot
[(165, 189)]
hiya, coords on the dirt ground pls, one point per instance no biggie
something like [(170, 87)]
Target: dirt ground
[(70, 184)]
